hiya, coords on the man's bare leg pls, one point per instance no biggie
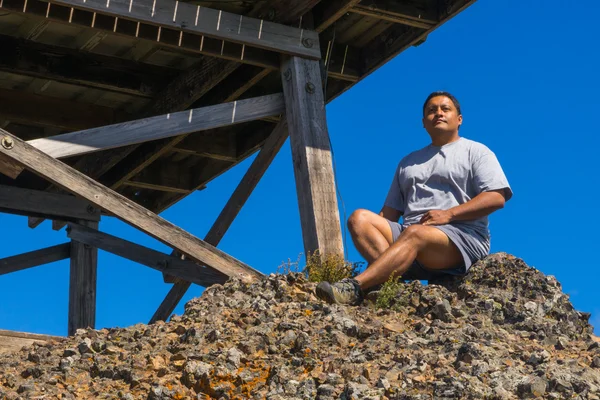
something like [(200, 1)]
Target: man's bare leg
[(427, 244), (371, 233)]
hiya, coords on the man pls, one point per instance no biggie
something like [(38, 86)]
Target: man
[(444, 192)]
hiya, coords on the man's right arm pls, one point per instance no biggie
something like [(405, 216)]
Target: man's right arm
[(390, 213)]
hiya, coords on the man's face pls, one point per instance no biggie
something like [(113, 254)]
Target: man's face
[(441, 116)]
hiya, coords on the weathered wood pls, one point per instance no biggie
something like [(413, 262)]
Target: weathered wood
[(164, 126), (35, 258), (311, 154), (33, 109), (393, 16), (35, 202), (327, 12), (230, 211), (10, 168), (164, 175), (179, 95), (183, 269), (143, 32), (12, 341), (211, 23), (82, 284), (90, 70), (124, 209)]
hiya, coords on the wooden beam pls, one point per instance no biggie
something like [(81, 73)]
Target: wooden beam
[(183, 269), (12, 341), (217, 24), (164, 126), (230, 211), (395, 17), (163, 175), (144, 32), (33, 109), (180, 95), (82, 284), (128, 211), (36, 202), (90, 70), (311, 154), (10, 168), (35, 258), (327, 12)]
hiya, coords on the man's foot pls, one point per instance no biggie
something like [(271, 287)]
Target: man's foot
[(346, 291)]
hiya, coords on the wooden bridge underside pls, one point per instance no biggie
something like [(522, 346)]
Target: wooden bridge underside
[(197, 88)]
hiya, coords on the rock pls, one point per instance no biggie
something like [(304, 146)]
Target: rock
[(443, 311), (504, 331)]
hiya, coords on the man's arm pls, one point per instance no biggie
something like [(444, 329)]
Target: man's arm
[(479, 206), (390, 213)]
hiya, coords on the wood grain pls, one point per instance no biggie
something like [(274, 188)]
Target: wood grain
[(160, 127), (82, 284), (311, 155), (208, 22), (36, 202), (35, 258), (123, 208), (183, 269)]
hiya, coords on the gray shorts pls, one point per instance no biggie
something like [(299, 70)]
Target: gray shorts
[(467, 244)]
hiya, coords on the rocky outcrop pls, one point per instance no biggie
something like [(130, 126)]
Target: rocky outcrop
[(505, 331)]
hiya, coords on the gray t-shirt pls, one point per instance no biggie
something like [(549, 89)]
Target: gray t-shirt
[(442, 177)]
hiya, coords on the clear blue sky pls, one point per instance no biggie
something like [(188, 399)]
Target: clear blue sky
[(527, 76)]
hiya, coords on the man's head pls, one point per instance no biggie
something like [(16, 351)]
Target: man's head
[(441, 114)]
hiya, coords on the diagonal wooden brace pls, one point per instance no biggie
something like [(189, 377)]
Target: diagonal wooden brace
[(121, 207)]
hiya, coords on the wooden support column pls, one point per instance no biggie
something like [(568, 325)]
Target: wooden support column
[(82, 283), (311, 154)]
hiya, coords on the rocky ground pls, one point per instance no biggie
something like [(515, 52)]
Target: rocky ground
[(504, 332)]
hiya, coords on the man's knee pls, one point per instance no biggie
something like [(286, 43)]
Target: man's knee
[(358, 219), (416, 234)]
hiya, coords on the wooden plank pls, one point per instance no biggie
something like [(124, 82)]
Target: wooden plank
[(143, 32), (230, 211), (311, 154), (90, 70), (205, 21), (35, 258), (164, 126), (12, 341), (34, 109), (36, 202), (121, 207), (183, 269), (327, 12), (82, 284), (396, 17), (10, 168)]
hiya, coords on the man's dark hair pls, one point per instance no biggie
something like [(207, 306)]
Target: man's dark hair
[(445, 94)]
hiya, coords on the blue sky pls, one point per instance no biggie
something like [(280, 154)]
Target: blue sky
[(526, 74)]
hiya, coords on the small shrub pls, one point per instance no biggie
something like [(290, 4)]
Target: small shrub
[(289, 266), (388, 293), (330, 268)]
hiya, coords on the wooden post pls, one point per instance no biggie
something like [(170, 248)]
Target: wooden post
[(311, 154), (82, 284)]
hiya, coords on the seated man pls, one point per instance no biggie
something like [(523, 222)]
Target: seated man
[(444, 192)]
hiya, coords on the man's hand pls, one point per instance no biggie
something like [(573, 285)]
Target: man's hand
[(437, 217)]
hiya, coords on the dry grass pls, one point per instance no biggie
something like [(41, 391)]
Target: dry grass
[(330, 268)]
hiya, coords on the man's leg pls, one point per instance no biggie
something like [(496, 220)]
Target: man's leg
[(427, 244), (371, 233)]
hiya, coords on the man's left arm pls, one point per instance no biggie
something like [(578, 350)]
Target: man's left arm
[(479, 206)]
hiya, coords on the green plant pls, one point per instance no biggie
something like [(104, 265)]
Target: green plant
[(329, 267), (388, 292)]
